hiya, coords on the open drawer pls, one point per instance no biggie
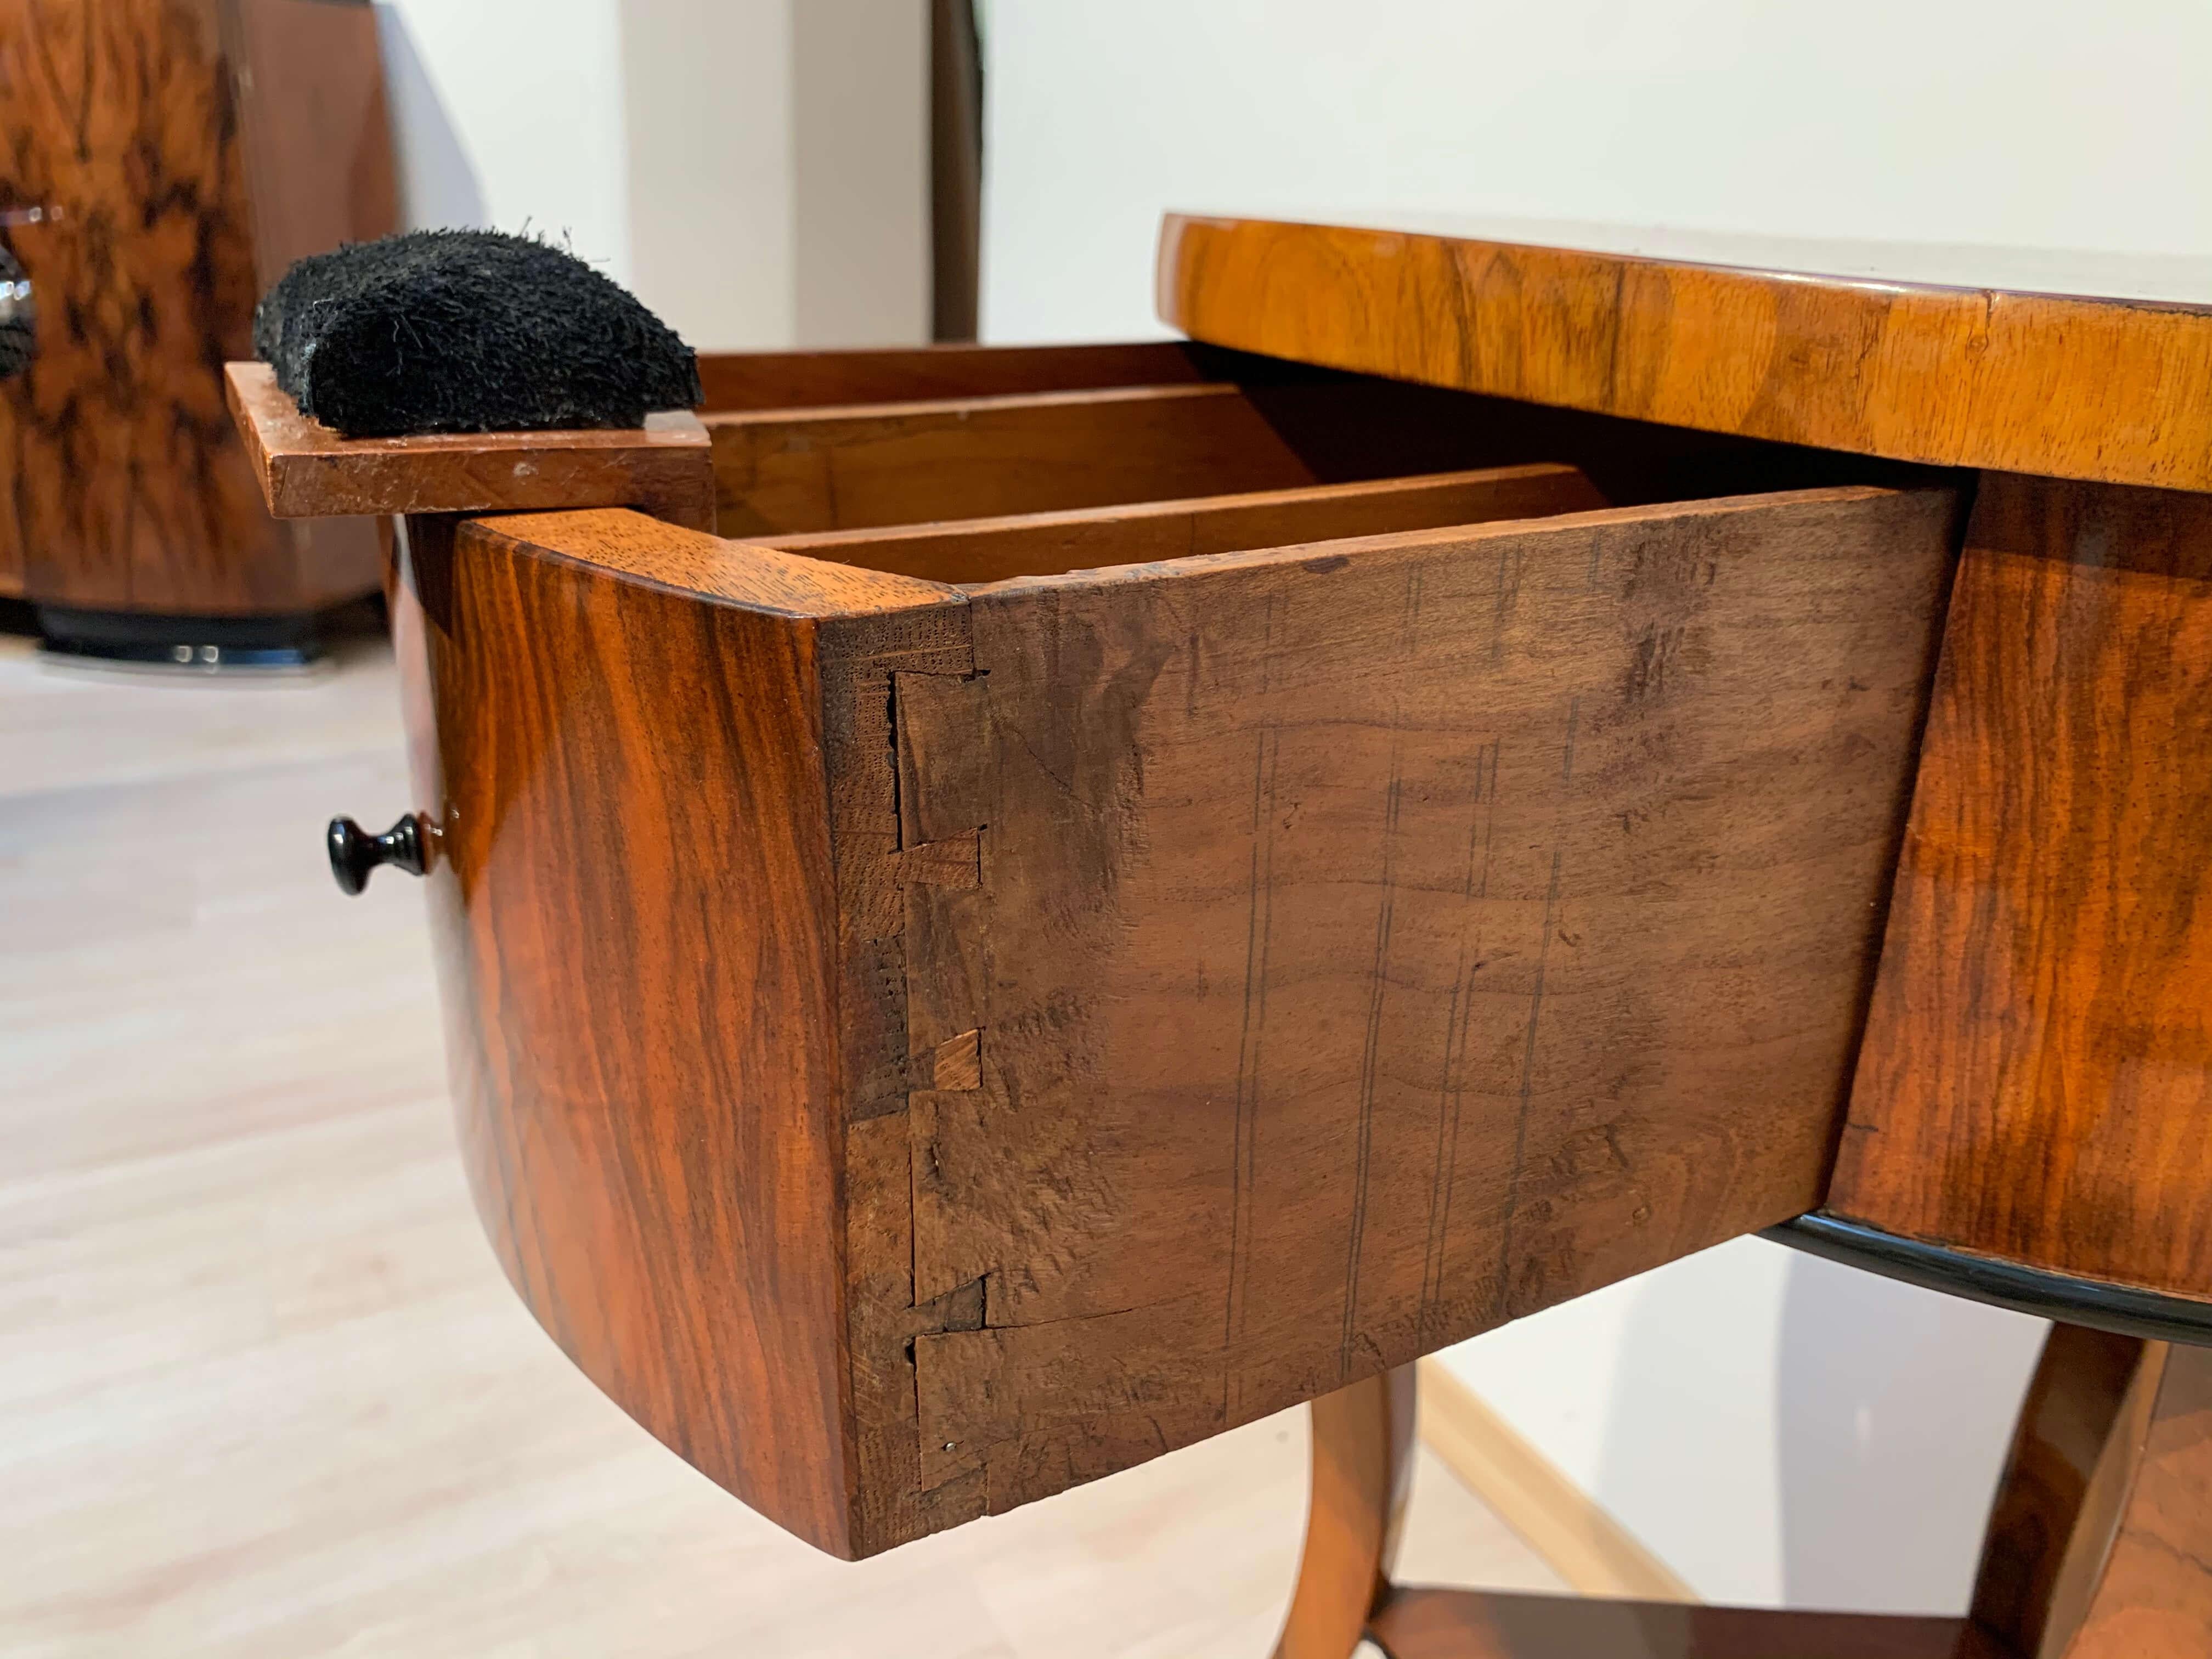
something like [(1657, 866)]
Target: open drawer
[(944, 1010), (811, 443), (1097, 912)]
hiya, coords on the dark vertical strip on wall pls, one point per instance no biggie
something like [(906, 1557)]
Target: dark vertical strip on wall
[(955, 168)]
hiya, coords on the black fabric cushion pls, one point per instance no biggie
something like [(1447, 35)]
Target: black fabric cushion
[(466, 331), (18, 342)]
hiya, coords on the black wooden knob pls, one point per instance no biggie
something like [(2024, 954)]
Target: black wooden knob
[(354, 852)]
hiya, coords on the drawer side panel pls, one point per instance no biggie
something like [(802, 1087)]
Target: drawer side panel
[(1384, 941)]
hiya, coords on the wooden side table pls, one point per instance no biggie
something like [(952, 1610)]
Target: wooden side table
[(1124, 889), (2032, 1094)]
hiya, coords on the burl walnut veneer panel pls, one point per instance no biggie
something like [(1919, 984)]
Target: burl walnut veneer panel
[(2057, 384), (2037, 1078), (922, 1048), (134, 129)]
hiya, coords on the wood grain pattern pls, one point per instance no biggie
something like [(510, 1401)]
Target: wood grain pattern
[(1456, 1624), (1386, 938), (2058, 1500), (2093, 1551), (785, 472), (2154, 1597), (1046, 543), (1286, 852), (306, 470), (820, 379), (318, 137), (285, 1406), (127, 487), (122, 464), (790, 472), (640, 953), (2118, 392), (1363, 1456), (2036, 1080)]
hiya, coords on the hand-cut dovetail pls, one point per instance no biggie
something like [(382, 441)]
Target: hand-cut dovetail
[(957, 1062), (941, 739)]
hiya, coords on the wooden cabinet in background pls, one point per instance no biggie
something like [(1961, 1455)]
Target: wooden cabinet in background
[(164, 161)]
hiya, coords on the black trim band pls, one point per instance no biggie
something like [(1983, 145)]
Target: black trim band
[(2123, 1309)]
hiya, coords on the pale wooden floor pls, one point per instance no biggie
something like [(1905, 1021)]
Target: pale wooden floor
[(263, 1391)]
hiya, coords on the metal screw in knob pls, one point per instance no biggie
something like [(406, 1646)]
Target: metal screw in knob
[(355, 852)]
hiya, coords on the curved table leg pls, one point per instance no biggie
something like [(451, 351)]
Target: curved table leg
[(2135, 1579), (1363, 1456), (2100, 1543), (2058, 1501)]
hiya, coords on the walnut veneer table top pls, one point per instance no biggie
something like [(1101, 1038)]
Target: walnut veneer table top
[(1987, 357)]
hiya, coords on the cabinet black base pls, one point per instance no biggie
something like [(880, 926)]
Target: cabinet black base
[(182, 645)]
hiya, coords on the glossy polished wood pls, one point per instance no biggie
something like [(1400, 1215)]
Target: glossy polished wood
[(2153, 1597), (272, 1397), (159, 139), (1417, 1623), (1362, 1448), (2057, 1499), (1020, 1299), (2037, 1073), (319, 157), (2115, 390), (654, 1149), (307, 471), (975, 551), (124, 470), (2092, 1550)]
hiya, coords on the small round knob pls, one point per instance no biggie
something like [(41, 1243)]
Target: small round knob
[(354, 852)]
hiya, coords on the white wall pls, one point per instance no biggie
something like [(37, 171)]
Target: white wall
[(2030, 122), (861, 181), (1780, 1429), (509, 113), (709, 109), (756, 171)]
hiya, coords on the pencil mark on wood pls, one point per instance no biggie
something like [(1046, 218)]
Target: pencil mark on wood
[(1371, 1057), (1244, 1149), (1482, 823), (1451, 1081), (1528, 1089)]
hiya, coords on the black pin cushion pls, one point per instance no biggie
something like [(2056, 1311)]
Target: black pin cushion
[(466, 331)]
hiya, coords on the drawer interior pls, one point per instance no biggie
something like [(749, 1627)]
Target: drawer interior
[(733, 382), (971, 551), (1151, 442)]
